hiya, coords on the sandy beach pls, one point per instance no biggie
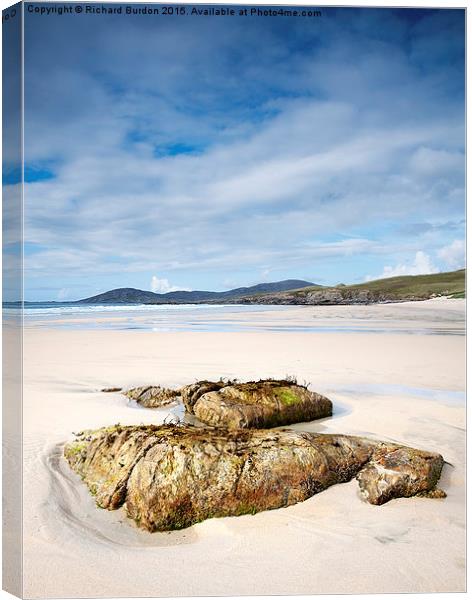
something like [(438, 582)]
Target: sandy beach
[(394, 372)]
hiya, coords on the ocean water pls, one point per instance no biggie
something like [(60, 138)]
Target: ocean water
[(68, 308), (234, 317), (141, 317)]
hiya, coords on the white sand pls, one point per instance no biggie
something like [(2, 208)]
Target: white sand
[(394, 386)]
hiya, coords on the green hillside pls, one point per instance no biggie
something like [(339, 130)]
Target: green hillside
[(392, 289), (451, 283)]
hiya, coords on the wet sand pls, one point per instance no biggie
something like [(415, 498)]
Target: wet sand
[(405, 317), (390, 385)]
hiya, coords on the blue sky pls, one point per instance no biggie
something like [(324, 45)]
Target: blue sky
[(209, 153)]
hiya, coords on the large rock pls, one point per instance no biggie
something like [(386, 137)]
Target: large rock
[(152, 396), (170, 477), (258, 404)]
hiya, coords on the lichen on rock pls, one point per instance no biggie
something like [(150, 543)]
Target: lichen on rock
[(397, 471), (255, 404), (235, 405), (170, 477)]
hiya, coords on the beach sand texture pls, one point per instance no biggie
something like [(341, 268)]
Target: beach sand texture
[(393, 385)]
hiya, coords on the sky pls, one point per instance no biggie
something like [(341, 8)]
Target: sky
[(209, 153)]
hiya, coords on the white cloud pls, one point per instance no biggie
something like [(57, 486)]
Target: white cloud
[(438, 162), (421, 265), (265, 275), (63, 294), (454, 254), (274, 177), (163, 286)]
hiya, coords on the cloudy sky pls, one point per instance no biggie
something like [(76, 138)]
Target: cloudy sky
[(208, 152)]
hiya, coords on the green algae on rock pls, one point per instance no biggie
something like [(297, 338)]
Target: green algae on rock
[(170, 477), (258, 404)]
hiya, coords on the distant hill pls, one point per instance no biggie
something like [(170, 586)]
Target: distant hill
[(134, 296), (392, 289), (294, 291)]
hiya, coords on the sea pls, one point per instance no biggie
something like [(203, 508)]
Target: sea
[(229, 318)]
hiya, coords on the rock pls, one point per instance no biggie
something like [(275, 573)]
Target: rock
[(339, 295), (152, 396), (258, 404), (325, 297), (398, 472), (105, 458), (111, 389), (436, 493), (170, 477), (191, 393)]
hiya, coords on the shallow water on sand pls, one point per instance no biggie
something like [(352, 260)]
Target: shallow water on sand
[(395, 318)]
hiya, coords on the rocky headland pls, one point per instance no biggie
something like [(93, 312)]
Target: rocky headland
[(392, 289), (329, 296)]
